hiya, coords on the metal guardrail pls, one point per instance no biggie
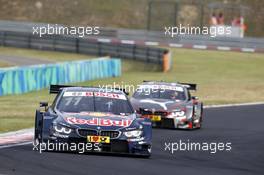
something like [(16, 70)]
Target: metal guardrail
[(155, 36), (83, 46), (27, 27)]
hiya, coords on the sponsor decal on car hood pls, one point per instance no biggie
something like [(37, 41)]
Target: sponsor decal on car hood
[(98, 119), (157, 104), (99, 122)]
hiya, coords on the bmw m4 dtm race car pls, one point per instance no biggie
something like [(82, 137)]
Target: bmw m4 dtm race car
[(168, 105), (93, 115)]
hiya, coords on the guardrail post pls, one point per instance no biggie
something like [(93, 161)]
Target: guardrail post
[(99, 48), (134, 52), (29, 41), (147, 55), (54, 44), (4, 38), (77, 45)]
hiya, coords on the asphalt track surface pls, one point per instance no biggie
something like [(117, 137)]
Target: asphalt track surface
[(242, 126), (23, 61)]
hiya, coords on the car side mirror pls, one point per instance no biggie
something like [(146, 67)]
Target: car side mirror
[(43, 105)]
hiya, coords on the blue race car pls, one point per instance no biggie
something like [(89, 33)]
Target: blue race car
[(103, 118)]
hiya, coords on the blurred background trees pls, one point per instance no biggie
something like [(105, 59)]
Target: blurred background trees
[(135, 14)]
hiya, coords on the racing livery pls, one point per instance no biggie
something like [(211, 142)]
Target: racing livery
[(93, 115), (168, 105)]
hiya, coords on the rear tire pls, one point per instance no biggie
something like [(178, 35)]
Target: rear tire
[(201, 118), (200, 123)]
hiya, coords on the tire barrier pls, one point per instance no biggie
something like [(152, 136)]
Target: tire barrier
[(18, 80), (91, 46)]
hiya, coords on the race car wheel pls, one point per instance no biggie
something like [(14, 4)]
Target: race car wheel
[(190, 125), (38, 127), (199, 124), (147, 154), (200, 120)]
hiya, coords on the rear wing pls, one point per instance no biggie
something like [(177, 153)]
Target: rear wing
[(190, 86), (55, 89)]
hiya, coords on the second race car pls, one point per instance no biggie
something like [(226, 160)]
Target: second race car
[(168, 105)]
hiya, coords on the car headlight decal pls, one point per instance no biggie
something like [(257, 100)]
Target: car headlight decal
[(62, 129), (178, 113), (134, 133)]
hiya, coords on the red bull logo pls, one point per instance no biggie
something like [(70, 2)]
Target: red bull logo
[(99, 122)]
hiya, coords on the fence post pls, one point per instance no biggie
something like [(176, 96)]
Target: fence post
[(4, 38), (54, 43), (99, 48), (29, 41), (134, 51), (77, 45), (147, 54)]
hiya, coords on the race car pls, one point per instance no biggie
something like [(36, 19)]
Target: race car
[(102, 117), (168, 105)]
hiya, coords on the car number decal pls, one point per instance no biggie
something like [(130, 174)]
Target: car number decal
[(98, 139)]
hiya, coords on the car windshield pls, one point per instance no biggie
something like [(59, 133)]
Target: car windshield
[(77, 102), (168, 93)]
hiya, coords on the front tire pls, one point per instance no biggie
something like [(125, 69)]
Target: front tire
[(38, 127)]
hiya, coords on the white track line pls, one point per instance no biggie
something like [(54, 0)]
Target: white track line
[(104, 40), (195, 46), (127, 42), (233, 105), (22, 131), (247, 50), (150, 43), (175, 45), (14, 145), (223, 48), (199, 46)]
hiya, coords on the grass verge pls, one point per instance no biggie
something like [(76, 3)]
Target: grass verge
[(43, 55), (5, 64), (222, 77)]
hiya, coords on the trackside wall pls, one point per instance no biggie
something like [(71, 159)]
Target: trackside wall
[(18, 80)]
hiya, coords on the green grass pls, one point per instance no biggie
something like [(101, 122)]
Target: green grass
[(43, 55), (222, 77), (5, 64)]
